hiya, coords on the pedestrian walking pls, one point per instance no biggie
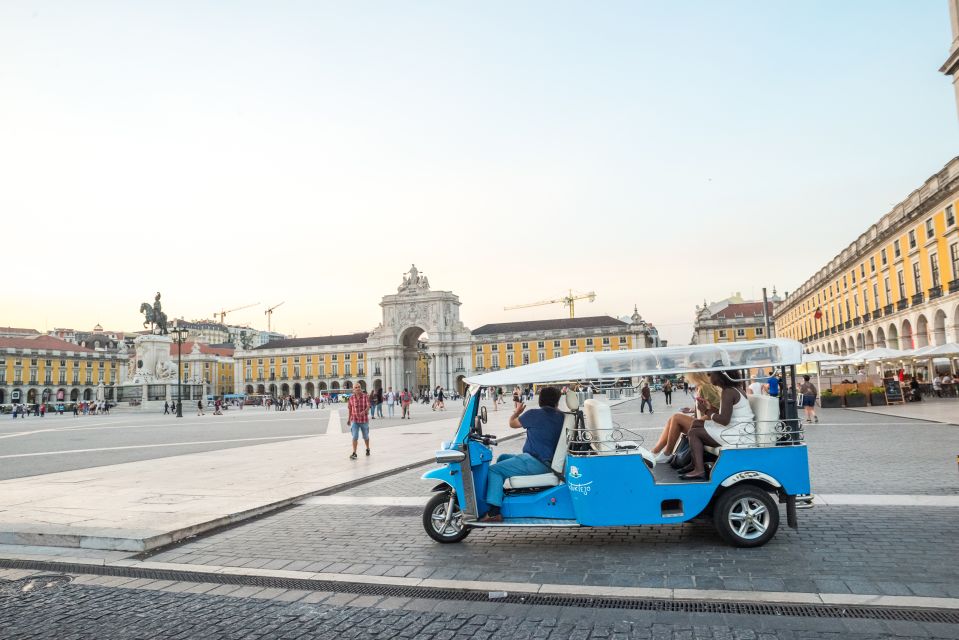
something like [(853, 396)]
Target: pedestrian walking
[(668, 392), (166, 408), (646, 398), (685, 387), (390, 401), (406, 400), (358, 409), (809, 393), (199, 407)]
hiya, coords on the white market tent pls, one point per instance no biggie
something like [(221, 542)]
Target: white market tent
[(634, 363)]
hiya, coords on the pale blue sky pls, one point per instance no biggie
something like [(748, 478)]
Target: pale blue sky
[(658, 153)]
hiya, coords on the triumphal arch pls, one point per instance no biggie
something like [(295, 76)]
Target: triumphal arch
[(420, 327)]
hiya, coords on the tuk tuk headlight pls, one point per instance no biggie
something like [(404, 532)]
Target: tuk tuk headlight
[(450, 456)]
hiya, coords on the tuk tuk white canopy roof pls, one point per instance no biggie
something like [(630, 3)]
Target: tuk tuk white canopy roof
[(649, 362)]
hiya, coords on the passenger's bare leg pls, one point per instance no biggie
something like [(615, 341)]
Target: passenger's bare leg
[(698, 437), (682, 423)]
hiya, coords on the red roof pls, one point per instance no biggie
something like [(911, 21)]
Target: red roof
[(745, 310), (204, 348), (42, 342), (19, 331)]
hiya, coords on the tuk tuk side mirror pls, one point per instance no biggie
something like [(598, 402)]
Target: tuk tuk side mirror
[(482, 415)]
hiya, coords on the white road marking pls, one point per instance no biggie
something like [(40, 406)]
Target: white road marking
[(148, 446), (383, 501)]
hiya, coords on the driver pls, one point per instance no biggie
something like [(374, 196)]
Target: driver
[(543, 429)]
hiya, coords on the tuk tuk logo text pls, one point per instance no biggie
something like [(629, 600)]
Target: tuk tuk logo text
[(581, 488)]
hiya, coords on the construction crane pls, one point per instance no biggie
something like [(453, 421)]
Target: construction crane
[(223, 313), (568, 301), (269, 314)]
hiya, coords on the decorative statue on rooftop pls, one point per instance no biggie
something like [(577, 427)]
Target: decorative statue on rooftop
[(414, 281), (154, 316)]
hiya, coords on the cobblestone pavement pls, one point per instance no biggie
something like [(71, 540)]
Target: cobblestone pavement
[(190, 610), (837, 549)]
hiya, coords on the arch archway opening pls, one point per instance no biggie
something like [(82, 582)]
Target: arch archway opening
[(88, 394), (321, 386), (310, 390), (922, 332), (880, 338), (905, 336), (249, 389), (892, 338), (31, 396), (870, 341), (939, 328), (74, 395), (297, 390), (260, 389)]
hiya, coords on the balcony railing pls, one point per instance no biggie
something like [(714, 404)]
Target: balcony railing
[(866, 317), (459, 370), (902, 304), (919, 298), (877, 313), (847, 324), (856, 321), (953, 286), (887, 309), (935, 292)]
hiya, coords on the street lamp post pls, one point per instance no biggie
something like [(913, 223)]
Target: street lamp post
[(179, 335)]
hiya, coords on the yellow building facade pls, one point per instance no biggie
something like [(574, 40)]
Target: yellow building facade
[(302, 367), (47, 369), (512, 344), (896, 286)]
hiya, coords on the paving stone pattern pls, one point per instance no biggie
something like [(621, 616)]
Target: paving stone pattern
[(886, 550), (192, 611)]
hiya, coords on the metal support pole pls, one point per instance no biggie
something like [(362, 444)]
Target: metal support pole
[(766, 314), (179, 377)]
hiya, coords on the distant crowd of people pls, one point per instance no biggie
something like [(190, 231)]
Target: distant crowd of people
[(41, 409)]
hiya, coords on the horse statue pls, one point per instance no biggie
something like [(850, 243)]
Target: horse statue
[(153, 318)]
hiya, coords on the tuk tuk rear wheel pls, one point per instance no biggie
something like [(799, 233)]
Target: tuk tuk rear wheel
[(435, 518), (746, 516)]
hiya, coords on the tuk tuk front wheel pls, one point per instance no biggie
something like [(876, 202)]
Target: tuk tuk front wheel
[(746, 516), (443, 523)]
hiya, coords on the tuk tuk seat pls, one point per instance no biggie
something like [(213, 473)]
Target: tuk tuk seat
[(568, 404), (599, 423), (762, 432)]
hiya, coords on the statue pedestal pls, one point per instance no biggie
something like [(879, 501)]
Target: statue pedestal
[(154, 379)]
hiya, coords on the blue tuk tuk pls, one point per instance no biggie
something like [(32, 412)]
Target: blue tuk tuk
[(602, 476)]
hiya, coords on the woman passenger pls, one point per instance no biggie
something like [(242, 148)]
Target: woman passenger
[(707, 398), (735, 418)]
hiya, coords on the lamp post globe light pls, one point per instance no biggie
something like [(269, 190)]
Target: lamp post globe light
[(179, 336)]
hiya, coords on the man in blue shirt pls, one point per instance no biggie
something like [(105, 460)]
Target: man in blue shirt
[(544, 426), (772, 384)]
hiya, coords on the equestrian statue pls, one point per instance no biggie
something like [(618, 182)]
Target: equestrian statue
[(154, 318)]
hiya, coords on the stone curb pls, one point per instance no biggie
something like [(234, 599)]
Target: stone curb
[(571, 590)]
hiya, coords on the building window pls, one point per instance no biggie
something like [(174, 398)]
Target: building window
[(853, 277), (335, 357), (479, 360), (862, 269), (525, 357), (556, 344), (334, 370), (459, 364), (902, 285), (589, 342), (347, 368), (605, 341), (882, 257), (896, 249), (930, 229), (283, 371), (495, 361), (540, 356), (855, 302), (572, 342), (875, 292), (912, 239), (540, 345), (888, 290), (722, 333), (525, 346), (954, 259), (934, 267), (872, 264), (759, 331), (950, 216), (916, 278), (740, 333), (622, 339), (557, 354)]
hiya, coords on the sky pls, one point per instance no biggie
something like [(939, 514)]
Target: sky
[(307, 152)]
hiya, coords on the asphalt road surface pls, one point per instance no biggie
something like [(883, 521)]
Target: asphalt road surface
[(34, 446)]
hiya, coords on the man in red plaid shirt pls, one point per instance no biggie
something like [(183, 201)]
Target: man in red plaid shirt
[(359, 418)]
